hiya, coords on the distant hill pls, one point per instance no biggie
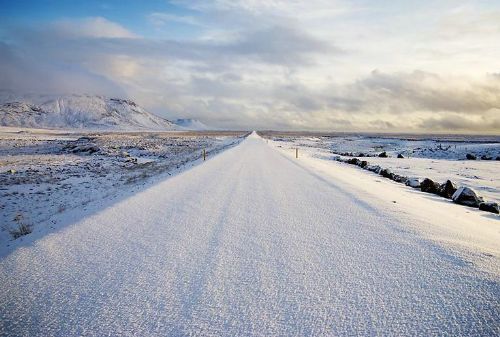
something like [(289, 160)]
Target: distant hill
[(192, 124), (78, 112)]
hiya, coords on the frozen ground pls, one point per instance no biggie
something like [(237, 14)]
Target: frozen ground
[(43, 173), (436, 157), (256, 242)]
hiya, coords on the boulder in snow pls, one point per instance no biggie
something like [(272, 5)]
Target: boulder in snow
[(413, 182), (466, 196), (400, 156), (386, 173), (399, 179), (85, 149), (470, 156), (447, 189), (383, 155), (429, 186), (489, 207), (374, 168)]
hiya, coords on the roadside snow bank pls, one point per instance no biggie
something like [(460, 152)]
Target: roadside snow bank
[(474, 233)]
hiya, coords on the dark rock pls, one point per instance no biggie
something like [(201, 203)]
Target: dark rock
[(447, 189), (466, 196), (485, 157), (386, 173), (497, 158), (374, 168), (470, 156), (400, 156), (363, 164), (429, 186), (489, 207), (361, 155), (383, 155), (399, 179), (353, 161), (85, 149)]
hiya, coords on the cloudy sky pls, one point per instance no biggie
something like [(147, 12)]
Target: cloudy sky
[(389, 66)]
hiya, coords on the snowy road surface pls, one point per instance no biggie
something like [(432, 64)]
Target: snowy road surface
[(249, 243)]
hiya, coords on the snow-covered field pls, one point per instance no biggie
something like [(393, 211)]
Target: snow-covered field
[(44, 173), (257, 242), (436, 157)]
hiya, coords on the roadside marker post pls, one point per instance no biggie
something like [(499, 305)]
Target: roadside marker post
[(297, 152), (204, 154)]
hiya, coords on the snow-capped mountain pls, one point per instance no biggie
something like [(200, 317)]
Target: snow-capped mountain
[(192, 124), (78, 112)]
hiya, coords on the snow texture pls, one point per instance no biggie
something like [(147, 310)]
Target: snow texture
[(253, 242)]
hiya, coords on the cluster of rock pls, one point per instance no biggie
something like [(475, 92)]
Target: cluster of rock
[(87, 146), (462, 195), (471, 156), (83, 145), (352, 154), (361, 154)]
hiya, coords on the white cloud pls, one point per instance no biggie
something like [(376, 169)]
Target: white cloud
[(285, 64)]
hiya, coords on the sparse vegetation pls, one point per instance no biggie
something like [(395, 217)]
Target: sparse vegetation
[(22, 227), (51, 177)]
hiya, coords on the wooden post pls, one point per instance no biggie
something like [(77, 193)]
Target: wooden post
[(204, 154), (297, 152)]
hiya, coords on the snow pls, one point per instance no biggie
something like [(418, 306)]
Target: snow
[(46, 173), (257, 242), (77, 112), (413, 182), (426, 162), (450, 147)]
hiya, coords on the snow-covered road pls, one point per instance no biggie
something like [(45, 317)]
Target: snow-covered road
[(251, 242)]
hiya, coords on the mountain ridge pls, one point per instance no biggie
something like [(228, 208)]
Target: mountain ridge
[(78, 111)]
